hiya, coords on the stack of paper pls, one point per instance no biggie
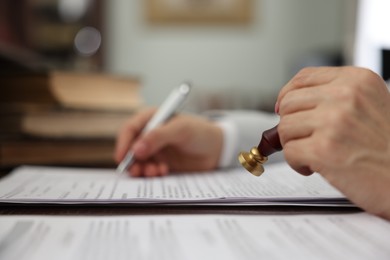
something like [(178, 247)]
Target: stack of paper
[(280, 185), (186, 237)]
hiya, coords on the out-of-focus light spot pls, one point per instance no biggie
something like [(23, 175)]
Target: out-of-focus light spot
[(72, 10), (87, 41)]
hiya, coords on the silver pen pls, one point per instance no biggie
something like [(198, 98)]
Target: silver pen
[(164, 112)]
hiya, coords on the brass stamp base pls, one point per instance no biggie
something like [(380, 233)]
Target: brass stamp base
[(253, 161)]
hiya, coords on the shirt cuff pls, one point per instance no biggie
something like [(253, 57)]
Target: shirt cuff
[(230, 142)]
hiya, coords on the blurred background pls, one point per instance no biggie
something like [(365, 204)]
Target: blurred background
[(234, 60), (236, 53), (238, 64)]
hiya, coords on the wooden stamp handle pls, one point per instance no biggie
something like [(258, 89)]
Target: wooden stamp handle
[(270, 142)]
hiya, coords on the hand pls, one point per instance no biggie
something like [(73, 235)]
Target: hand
[(336, 121), (184, 143)]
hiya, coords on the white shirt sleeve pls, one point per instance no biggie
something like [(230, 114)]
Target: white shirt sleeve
[(230, 142), (242, 130)]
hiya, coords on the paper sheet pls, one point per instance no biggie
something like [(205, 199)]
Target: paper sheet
[(344, 236), (279, 185)]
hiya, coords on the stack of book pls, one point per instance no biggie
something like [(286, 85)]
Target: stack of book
[(63, 118)]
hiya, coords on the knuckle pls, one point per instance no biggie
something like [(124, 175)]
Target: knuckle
[(351, 96), (372, 81), (301, 78), (296, 100), (308, 70), (367, 74), (285, 103), (338, 119), (283, 129), (364, 78)]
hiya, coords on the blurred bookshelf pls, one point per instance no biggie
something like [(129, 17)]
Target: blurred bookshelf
[(67, 33), (57, 105)]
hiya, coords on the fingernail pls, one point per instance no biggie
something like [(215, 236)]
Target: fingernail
[(139, 148), (277, 107)]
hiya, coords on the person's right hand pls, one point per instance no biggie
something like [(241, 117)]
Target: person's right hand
[(336, 121), (183, 143)]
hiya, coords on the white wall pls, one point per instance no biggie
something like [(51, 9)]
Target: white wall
[(254, 59), (373, 33)]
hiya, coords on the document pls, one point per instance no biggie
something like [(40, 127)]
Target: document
[(185, 237), (280, 185)]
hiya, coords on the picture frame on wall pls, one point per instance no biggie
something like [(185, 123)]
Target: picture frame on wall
[(199, 11)]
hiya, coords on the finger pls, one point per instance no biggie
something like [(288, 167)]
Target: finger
[(151, 169), (135, 170), (302, 99), (163, 168), (163, 162), (300, 157), (157, 167), (130, 131), (308, 77), (297, 126), (171, 133)]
